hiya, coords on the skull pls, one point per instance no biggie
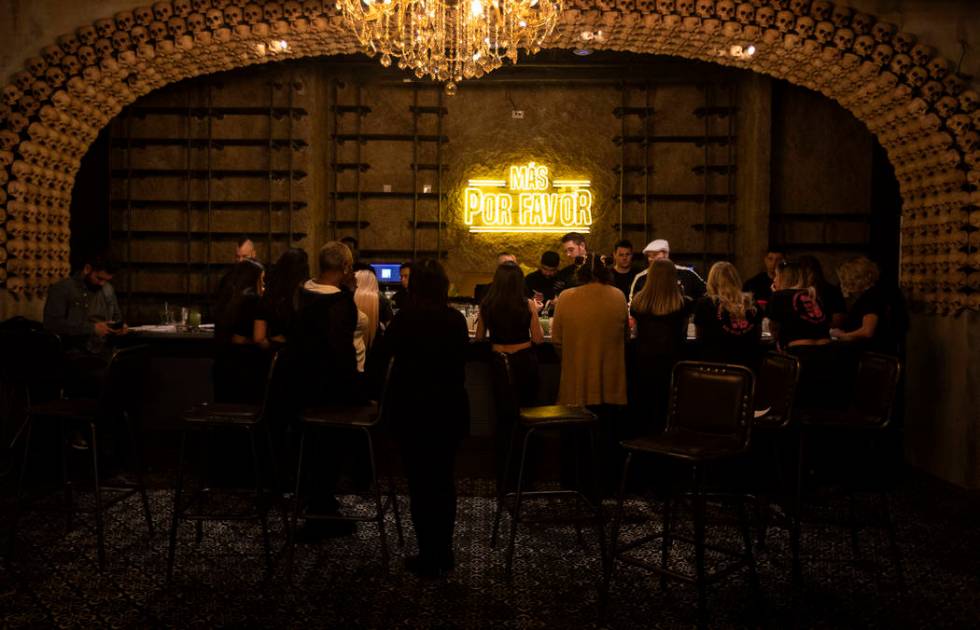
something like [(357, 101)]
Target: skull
[(921, 54), (844, 38), (158, 31), (820, 10), (665, 7), (917, 76), (86, 54), (125, 20), (958, 124), (292, 10), (253, 13), (862, 23), (938, 68), (969, 100), (71, 65), (41, 90), (52, 54), (805, 26), (139, 35), (883, 54), (705, 8), (946, 106), (144, 15), (29, 104), (900, 64), (163, 10), (103, 48), (11, 94), (105, 27), (272, 11), (785, 20), (164, 47), (745, 13), (182, 8), (313, 8), (121, 41), (863, 45), (92, 74), (954, 84), (215, 19), (86, 35), (233, 15), (68, 43), (176, 26), (765, 17), (37, 66), (883, 32), (196, 22), (684, 7), (904, 42), (55, 76), (201, 6), (932, 90)]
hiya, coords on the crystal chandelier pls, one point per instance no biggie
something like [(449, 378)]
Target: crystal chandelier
[(450, 40)]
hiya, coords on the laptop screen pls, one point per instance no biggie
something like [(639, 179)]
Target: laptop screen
[(387, 273)]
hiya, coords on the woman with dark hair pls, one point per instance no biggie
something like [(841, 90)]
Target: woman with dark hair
[(237, 302), (829, 294), (278, 308), (429, 409), (661, 313)]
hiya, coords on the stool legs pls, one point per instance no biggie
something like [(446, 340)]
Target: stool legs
[(175, 515), (378, 502), (701, 578), (665, 537), (137, 450), (19, 506), (260, 504), (502, 487), (516, 516), (66, 487), (99, 518), (610, 563)]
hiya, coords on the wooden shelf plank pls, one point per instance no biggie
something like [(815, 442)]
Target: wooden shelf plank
[(630, 170), (351, 109), (224, 204), (143, 173), (439, 111), (675, 197), (346, 194), (215, 143), (718, 169), (400, 254), (141, 111), (350, 166), (429, 225), (721, 112), (696, 140), (350, 224), (388, 137), (816, 217), (641, 112), (826, 247), (200, 236), (714, 227)]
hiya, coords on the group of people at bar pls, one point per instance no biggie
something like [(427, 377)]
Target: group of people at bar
[(618, 330)]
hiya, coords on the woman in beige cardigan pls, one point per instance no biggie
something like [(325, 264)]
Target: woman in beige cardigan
[(589, 330)]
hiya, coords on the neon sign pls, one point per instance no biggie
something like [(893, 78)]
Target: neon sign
[(531, 202)]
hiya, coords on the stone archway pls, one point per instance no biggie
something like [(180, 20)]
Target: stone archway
[(926, 117)]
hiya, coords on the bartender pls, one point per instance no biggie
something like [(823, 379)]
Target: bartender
[(691, 283), (541, 285)]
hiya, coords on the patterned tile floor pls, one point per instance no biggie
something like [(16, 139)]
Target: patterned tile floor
[(54, 582)]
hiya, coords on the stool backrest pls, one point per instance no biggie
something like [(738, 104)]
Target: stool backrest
[(383, 402), (32, 361), (877, 386), (712, 398), (125, 380), (775, 390)]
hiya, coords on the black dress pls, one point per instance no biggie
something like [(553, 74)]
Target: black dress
[(798, 314), (429, 413), (724, 340), (660, 343)]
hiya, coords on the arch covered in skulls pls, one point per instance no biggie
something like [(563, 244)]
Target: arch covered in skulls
[(925, 116)]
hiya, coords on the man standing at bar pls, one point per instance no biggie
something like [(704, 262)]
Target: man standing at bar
[(623, 271), (480, 290), (325, 373), (575, 249), (760, 285), (540, 285), (691, 283), (245, 250)]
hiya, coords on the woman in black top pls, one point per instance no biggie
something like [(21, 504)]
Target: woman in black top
[(661, 313), (277, 310), (796, 314), (238, 369), (876, 319), (429, 409), (829, 294), (728, 322)]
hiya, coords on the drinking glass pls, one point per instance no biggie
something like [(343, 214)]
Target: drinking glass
[(194, 318)]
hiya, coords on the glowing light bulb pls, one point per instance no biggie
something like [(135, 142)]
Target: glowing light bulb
[(476, 8), (750, 50)]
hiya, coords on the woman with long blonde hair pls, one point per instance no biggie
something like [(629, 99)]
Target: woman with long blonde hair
[(727, 320), (368, 300), (661, 313)]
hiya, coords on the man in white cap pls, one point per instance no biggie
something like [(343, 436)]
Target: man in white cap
[(691, 283)]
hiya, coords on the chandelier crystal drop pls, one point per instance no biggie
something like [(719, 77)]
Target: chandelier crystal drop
[(450, 40)]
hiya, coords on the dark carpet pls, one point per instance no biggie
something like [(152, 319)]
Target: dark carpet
[(53, 580)]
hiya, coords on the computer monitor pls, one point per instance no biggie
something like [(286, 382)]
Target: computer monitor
[(387, 273)]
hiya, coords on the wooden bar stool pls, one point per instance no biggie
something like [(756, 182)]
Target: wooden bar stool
[(228, 418), (528, 421), (708, 421), (115, 404)]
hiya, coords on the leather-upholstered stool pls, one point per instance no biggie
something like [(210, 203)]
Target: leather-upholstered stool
[(863, 422), (116, 403), (225, 418), (528, 421), (709, 421), (364, 419)]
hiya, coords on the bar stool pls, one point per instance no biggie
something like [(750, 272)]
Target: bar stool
[(866, 419), (363, 419), (116, 402), (709, 421), (775, 394), (528, 421), (227, 418)]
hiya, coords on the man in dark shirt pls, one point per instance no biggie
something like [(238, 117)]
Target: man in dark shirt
[(691, 283), (400, 298), (760, 285), (623, 271), (575, 249), (540, 284), (325, 371)]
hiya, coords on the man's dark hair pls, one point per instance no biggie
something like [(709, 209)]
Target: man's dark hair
[(100, 262), (550, 259), (592, 269), (573, 236), (429, 285), (350, 241), (776, 249), (406, 265), (244, 238), (625, 243)]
